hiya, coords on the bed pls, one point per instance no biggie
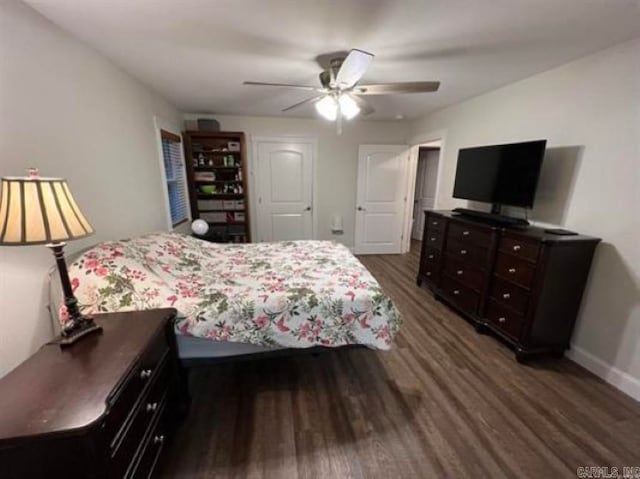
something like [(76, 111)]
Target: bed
[(238, 298)]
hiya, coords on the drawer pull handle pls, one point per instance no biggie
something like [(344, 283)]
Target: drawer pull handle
[(459, 272), (159, 439), (433, 238), (463, 251), (516, 247), (430, 256), (456, 292), (434, 223), (506, 295), (145, 373), (512, 270), (428, 273), (502, 319), (465, 233), (152, 406)]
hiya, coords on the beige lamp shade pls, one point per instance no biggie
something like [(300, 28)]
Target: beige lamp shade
[(36, 210)]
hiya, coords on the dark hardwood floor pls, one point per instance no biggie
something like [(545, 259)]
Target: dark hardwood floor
[(445, 402)]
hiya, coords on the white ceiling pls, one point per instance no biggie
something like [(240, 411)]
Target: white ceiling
[(196, 53)]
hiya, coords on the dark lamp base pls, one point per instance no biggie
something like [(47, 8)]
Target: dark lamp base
[(78, 331), (81, 326)]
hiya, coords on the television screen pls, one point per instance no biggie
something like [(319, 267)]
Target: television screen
[(500, 174)]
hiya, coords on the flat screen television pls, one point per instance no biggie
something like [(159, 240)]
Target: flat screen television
[(500, 174)]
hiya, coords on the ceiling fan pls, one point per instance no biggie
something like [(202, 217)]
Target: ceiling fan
[(340, 94)]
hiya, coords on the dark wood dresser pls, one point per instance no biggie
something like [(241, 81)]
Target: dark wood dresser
[(522, 284), (102, 408)]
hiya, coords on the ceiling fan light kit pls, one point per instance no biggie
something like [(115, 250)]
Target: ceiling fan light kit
[(348, 106), (329, 108), (340, 94)]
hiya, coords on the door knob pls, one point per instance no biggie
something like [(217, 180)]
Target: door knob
[(360, 208), (308, 208)]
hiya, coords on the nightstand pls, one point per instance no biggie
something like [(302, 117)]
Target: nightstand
[(104, 407)]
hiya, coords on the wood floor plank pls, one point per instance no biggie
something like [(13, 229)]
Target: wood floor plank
[(444, 402)]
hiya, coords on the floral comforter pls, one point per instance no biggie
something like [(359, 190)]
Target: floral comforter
[(290, 294)]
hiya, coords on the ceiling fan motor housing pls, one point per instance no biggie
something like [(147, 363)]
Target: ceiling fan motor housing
[(327, 77)]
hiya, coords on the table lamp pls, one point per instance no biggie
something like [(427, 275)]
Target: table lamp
[(36, 210)]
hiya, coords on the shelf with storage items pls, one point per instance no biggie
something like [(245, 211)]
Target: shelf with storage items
[(217, 178)]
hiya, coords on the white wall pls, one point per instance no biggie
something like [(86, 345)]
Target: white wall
[(69, 111), (589, 110), (337, 162)]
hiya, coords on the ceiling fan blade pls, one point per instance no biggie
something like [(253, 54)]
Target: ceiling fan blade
[(393, 88), (365, 107), (352, 68), (300, 103), (283, 85)]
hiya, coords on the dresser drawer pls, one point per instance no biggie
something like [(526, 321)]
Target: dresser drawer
[(514, 269), (431, 257), (434, 222), (124, 398), (152, 448), (429, 272), (469, 234), (467, 253), (433, 238), (505, 320), (146, 411), (461, 296), (508, 294), (521, 248), (467, 275)]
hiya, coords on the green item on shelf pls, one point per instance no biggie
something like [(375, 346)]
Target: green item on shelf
[(208, 189)]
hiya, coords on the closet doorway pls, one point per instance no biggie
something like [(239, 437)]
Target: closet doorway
[(425, 186)]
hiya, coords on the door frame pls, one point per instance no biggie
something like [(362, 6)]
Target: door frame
[(416, 142), (421, 180), (254, 209)]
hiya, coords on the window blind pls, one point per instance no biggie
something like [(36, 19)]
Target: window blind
[(174, 172)]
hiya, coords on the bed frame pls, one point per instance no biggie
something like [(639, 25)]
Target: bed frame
[(279, 353)]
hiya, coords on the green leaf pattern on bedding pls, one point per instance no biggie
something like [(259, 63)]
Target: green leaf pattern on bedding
[(292, 294)]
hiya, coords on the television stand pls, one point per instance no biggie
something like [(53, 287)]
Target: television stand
[(491, 217)]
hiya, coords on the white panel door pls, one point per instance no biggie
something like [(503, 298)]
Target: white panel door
[(381, 198), (285, 191)]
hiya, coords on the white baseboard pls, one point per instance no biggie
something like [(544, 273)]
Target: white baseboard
[(619, 379)]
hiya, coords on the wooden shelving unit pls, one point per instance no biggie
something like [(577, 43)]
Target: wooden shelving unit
[(218, 189)]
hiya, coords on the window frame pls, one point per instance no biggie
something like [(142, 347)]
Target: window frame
[(164, 132)]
